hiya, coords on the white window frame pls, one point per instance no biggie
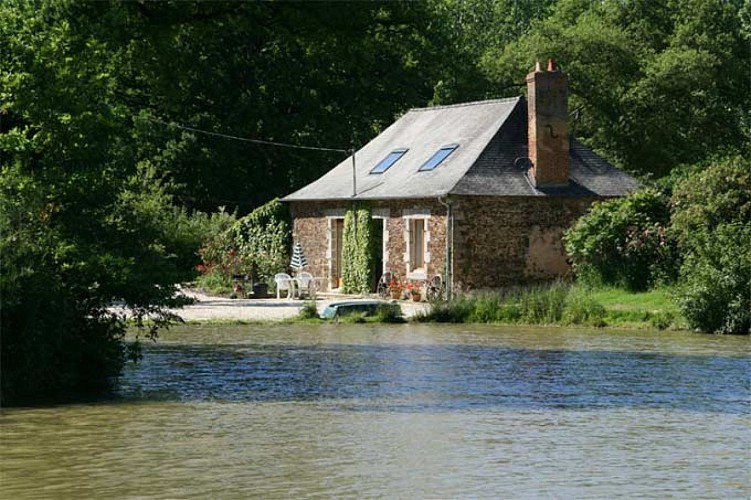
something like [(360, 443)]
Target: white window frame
[(383, 214), (331, 217), (409, 215)]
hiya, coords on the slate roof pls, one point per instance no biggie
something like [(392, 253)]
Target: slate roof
[(492, 136)]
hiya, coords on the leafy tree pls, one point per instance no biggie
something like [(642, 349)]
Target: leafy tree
[(82, 223), (653, 84), (712, 224), (467, 32), (304, 73), (713, 194), (715, 287)]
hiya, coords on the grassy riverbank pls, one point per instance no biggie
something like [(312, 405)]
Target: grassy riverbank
[(557, 304), (560, 304)]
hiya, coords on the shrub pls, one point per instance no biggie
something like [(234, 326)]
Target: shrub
[(389, 313), (215, 283), (623, 242), (712, 225), (261, 240), (215, 269), (715, 289), (308, 311), (254, 245)]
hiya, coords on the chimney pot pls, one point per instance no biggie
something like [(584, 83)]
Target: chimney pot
[(551, 65), (538, 67)]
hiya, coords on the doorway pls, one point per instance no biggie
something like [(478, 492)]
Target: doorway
[(337, 242)]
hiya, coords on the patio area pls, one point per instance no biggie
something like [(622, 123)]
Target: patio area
[(211, 308)]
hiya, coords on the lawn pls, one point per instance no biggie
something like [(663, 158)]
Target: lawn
[(653, 308), (563, 304)]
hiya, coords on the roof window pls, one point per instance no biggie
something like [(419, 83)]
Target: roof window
[(437, 158), (386, 163)]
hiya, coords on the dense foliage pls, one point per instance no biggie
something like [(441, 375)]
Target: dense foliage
[(654, 84), (262, 240), (255, 246), (712, 223), (357, 251), (117, 118), (83, 221), (713, 193), (305, 73), (623, 242), (699, 239), (715, 288), (216, 267)]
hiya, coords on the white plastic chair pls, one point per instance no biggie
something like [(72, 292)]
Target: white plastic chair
[(283, 283), (307, 284)]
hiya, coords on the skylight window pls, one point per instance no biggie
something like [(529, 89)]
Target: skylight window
[(386, 163), (437, 158)]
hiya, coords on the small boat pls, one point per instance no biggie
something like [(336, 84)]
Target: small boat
[(364, 307)]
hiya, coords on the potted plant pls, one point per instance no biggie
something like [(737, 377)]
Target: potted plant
[(414, 291), (395, 289)]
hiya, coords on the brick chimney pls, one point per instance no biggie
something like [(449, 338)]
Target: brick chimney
[(547, 114)]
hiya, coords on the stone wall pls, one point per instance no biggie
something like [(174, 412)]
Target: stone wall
[(497, 241), (311, 228), (510, 241)]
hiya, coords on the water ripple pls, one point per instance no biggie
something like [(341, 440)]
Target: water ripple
[(400, 412), (441, 377)]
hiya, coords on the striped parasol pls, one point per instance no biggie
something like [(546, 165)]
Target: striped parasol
[(298, 258)]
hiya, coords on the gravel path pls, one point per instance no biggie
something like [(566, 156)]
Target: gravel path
[(208, 308)]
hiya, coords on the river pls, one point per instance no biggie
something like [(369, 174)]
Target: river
[(405, 411)]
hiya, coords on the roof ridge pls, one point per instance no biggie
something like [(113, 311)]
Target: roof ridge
[(472, 103)]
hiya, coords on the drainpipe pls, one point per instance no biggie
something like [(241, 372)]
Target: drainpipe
[(449, 265)]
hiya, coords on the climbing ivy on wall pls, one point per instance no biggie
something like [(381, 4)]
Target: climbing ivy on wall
[(261, 239), (357, 250), (348, 250)]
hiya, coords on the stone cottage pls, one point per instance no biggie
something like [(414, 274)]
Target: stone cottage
[(479, 193)]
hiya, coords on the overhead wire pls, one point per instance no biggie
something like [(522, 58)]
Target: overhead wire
[(245, 139)]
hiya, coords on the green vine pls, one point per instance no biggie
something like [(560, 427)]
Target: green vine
[(357, 250), (261, 240)]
